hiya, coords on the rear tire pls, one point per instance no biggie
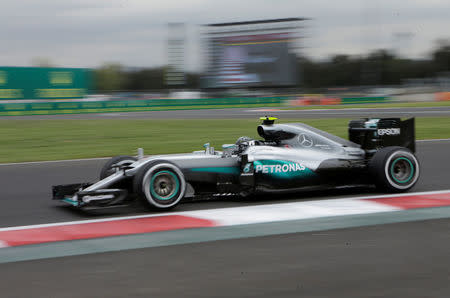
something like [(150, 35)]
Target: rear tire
[(159, 184), (394, 169), (108, 168)]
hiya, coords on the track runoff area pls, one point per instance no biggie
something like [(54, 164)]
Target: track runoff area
[(120, 233)]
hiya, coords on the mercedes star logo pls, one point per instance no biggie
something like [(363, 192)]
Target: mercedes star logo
[(305, 140)]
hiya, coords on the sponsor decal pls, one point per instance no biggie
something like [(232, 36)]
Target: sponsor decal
[(60, 77), (11, 93), (279, 168), (305, 140), (388, 131), (55, 93), (3, 78), (247, 168)]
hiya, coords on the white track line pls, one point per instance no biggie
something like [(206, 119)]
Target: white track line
[(434, 140), (52, 161)]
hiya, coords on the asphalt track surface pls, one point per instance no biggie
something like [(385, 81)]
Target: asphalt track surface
[(395, 260), (242, 113), (398, 260), (26, 188)]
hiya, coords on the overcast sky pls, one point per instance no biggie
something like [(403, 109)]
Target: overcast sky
[(88, 33)]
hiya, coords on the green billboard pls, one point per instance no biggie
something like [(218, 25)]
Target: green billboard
[(44, 83)]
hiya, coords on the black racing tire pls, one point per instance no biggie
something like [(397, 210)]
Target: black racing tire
[(108, 169), (394, 169), (160, 184)]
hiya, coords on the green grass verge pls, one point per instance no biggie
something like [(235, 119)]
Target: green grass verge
[(34, 140)]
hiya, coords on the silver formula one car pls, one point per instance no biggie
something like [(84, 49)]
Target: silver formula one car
[(290, 157)]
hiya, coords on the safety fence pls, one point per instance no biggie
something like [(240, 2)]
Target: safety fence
[(76, 107), (108, 106)]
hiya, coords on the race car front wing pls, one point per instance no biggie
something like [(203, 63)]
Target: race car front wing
[(78, 196)]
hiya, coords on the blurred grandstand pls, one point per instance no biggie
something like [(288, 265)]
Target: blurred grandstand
[(247, 59)]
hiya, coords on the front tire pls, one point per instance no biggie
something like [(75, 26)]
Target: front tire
[(395, 169), (121, 160), (160, 184)]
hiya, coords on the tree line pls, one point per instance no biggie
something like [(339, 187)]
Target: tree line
[(379, 67)]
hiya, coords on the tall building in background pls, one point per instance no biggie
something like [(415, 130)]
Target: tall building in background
[(176, 49), (259, 53)]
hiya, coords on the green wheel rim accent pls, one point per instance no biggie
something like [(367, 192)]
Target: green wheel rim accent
[(410, 175), (177, 181)]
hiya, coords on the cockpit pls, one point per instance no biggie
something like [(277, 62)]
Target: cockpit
[(295, 136)]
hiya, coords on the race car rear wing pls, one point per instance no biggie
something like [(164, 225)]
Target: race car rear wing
[(373, 134)]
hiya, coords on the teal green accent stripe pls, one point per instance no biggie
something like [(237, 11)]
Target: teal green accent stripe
[(221, 170), (70, 201)]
